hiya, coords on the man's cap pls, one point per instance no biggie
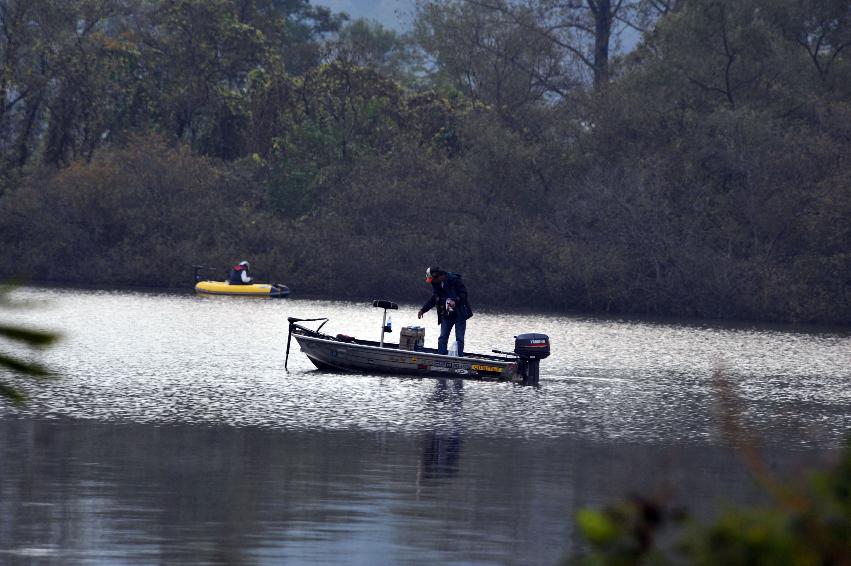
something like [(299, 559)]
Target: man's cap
[(432, 272)]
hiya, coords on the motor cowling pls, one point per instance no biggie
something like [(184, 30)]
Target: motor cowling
[(535, 346), (531, 349)]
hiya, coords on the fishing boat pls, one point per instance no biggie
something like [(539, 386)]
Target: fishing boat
[(207, 287), (346, 353), (253, 290)]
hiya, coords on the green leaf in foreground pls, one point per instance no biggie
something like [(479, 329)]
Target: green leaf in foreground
[(596, 526), (31, 337), (26, 368), (12, 394), (811, 527)]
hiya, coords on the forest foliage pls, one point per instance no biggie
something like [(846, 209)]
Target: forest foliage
[(528, 144)]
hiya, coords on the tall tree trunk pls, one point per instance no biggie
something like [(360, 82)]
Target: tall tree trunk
[(603, 16), (27, 127)]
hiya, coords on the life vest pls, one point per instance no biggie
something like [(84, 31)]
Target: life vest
[(235, 276)]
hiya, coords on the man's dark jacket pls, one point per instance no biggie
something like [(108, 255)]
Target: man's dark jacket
[(450, 288), (235, 275)]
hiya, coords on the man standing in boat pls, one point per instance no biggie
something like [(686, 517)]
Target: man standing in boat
[(239, 274), (450, 297)]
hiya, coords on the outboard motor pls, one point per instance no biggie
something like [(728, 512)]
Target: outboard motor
[(531, 349)]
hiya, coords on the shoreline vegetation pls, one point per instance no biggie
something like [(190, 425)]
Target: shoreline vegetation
[(706, 173)]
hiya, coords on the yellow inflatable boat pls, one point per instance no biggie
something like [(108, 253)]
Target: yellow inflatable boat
[(207, 287), (253, 290)]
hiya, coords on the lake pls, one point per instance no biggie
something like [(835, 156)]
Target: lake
[(174, 435)]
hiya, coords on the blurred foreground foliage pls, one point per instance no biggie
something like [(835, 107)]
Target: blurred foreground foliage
[(804, 522), (810, 526), (704, 173), (14, 364)]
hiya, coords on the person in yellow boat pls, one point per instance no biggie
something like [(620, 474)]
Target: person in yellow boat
[(239, 274)]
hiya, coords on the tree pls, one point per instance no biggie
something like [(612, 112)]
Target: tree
[(581, 34), (710, 160), (320, 125), (585, 30), (369, 44), (486, 55), (81, 73), (822, 28)]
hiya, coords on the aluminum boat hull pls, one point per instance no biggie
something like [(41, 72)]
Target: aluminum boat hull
[(367, 357)]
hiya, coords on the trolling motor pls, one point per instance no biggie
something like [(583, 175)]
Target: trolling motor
[(198, 269), (386, 325), (294, 322)]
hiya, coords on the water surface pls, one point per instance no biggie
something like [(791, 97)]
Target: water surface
[(175, 435)]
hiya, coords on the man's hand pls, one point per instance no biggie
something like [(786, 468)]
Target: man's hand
[(420, 314)]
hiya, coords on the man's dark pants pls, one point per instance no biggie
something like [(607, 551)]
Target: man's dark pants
[(460, 325)]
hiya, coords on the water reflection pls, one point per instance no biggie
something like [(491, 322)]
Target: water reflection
[(86, 491), (441, 448)]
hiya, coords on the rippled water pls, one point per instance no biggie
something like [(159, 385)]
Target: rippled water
[(174, 433), (219, 360)]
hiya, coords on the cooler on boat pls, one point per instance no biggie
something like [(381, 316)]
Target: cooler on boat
[(412, 338)]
